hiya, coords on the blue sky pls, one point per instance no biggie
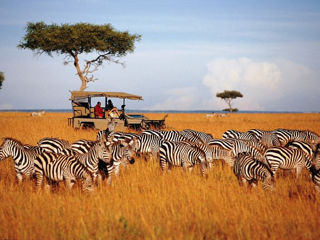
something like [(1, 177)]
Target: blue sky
[(190, 50)]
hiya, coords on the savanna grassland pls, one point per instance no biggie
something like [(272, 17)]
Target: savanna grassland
[(144, 203)]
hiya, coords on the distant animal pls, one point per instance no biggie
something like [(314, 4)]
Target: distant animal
[(38, 114)]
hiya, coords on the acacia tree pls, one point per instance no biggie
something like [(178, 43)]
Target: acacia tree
[(80, 38), (228, 96), (1, 78)]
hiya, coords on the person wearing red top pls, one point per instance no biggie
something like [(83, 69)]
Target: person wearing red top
[(98, 111)]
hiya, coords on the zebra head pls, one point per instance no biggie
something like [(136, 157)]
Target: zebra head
[(128, 155), (103, 150), (312, 137), (87, 182), (8, 147)]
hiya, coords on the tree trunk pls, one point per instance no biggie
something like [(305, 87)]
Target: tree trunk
[(229, 104), (80, 73)]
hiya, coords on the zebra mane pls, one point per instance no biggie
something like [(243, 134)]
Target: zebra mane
[(16, 141)]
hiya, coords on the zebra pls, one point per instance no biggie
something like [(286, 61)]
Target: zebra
[(90, 159), (58, 167), (103, 134), (196, 135), (239, 135), (312, 137), (257, 133), (313, 151), (55, 145), (23, 157), (120, 152), (239, 146), (287, 158), (148, 145), (269, 139), (181, 155), (287, 135), (82, 146), (315, 176), (249, 170), (172, 135)]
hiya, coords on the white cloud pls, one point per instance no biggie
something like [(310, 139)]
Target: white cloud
[(280, 85), (178, 99)]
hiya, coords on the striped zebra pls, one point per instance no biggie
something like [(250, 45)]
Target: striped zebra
[(287, 158), (249, 170), (196, 136), (312, 137), (311, 150), (23, 157), (315, 175), (104, 134), (181, 155), (239, 146), (58, 167), (98, 151), (269, 139), (148, 145), (55, 145), (172, 135), (257, 133), (213, 152), (239, 135), (121, 153), (288, 135)]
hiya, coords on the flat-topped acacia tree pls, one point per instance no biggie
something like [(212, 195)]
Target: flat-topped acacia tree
[(80, 38), (228, 96)]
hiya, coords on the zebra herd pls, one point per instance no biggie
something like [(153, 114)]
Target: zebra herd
[(255, 155)]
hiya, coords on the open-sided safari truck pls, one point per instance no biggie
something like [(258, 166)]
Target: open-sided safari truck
[(84, 115)]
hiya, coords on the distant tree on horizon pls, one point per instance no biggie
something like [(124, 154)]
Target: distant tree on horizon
[(1, 78), (228, 96), (80, 38)]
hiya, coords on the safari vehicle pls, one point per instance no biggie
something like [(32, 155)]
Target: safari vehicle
[(84, 114)]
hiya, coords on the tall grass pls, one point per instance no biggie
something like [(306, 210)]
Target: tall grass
[(144, 203)]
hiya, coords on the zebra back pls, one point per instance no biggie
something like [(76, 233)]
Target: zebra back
[(55, 145)]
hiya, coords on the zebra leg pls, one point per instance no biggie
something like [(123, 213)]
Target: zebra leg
[(203, 169), (47, 186), (39, 180), (298, 171), (69, 183), (19, 177), (99, 179)]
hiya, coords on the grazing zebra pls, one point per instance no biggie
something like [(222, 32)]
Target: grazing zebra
[(239, 135), (312, 137), (172, 136), (55, 145), (249, 170), (120, 153), (181, 155), (148, 145), (313, 151), (23, 157), (315, 174), (257, 133), (287, 158), (239, 146), (90, 159), (287, 135), (58, 167), (82, 146), (195, 136), (269, 139)]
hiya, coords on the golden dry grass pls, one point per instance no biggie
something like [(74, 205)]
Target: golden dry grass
[(143, 203)]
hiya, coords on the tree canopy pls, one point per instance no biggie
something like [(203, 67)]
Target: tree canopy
[(80, 38), (228, 96), (1, 78)]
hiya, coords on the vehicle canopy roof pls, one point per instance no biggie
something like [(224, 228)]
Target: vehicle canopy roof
[(76, 95)]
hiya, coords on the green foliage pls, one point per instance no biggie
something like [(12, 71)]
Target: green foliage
[(228, 110), (229, 94), (80, 38), (1, 78)]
